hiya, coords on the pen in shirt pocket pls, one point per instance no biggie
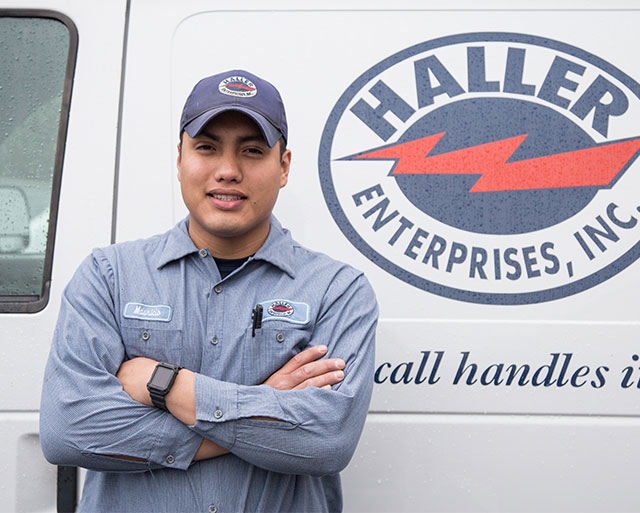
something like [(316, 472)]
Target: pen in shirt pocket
[(256, 319)]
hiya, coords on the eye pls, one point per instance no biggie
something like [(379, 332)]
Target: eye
[(204, 147), (254, 150)]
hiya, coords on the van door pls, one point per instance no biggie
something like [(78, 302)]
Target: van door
[(59, 99)]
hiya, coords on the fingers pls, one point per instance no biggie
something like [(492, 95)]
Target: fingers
[(331, 368), (304, 357), (306, 369), (318, 374), (323, 380)]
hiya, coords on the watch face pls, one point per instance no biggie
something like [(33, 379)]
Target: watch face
[(161, 378)]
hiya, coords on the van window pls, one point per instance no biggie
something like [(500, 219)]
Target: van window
[(37, 57)]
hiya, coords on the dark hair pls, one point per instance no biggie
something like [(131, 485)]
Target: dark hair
[(283, 146)]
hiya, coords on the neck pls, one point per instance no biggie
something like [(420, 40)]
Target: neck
[(229, 247)]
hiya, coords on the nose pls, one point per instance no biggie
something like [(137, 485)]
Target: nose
[(228, 169)]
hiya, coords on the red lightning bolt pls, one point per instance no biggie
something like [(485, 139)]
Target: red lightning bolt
[(241, 86), (595, 166)]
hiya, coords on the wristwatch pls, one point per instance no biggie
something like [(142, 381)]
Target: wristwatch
[(162, 379)]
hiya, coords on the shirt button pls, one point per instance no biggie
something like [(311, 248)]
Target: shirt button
[(170, 459), (217, 414), (280, 337), (214, 340), (213, 508), (217, 289), (203, 253), (145, 335)]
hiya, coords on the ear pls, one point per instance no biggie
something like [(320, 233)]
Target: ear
[(179, 159), (285, 165)]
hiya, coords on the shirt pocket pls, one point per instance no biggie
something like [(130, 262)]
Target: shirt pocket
[(163, 345), (272, 347)]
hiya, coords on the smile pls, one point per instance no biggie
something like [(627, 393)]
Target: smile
[(227, 200), (226, 197)]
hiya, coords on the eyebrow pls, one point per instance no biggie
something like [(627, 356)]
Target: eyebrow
[(257, 137)]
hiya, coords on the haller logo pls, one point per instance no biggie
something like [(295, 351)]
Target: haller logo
[(238, 86), (494, 168), (280, 309)]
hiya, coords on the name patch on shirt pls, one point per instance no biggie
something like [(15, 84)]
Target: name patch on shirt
[(285, 310), (147, 312)]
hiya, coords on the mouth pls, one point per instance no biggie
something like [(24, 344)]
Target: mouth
[(227, 197), (227, 200)]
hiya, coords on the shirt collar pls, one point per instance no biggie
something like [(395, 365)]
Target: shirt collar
[(178, 244), (277, 249)]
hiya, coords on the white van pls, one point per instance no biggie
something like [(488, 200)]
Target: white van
[(476, 159)]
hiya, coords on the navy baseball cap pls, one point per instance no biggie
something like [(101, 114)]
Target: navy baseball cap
[(235, 90)]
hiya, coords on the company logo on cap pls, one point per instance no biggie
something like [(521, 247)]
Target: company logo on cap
[(238, 86), (280, 309), (493, 168)]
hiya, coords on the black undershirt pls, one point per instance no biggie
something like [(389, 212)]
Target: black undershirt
[(227, 265)]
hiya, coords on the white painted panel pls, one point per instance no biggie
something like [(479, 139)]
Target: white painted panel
[(494, 463), (147, 178), (28, 480)]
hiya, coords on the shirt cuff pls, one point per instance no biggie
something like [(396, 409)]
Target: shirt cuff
[(216, 405), (176, 446), (261, 401)]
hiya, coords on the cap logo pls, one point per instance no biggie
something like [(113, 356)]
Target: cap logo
[(238, 86)]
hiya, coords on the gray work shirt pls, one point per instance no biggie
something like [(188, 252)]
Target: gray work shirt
[(164, 299)]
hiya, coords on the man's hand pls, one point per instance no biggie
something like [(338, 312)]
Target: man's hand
[(134, 375), (307, 370)]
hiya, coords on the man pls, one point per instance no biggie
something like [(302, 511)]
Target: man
[(220, 366)]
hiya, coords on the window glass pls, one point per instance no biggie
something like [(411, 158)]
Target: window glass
[(34, 54)]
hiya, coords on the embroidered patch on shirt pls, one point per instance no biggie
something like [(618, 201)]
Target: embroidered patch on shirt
[(285, 310), (147, 312)]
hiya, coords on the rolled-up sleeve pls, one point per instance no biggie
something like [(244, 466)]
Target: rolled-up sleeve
[(318, 429), (86, 418)]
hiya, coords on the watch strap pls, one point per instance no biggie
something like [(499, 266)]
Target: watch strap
[(158, 400)]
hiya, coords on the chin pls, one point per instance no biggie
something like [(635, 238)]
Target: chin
[(228, 230)]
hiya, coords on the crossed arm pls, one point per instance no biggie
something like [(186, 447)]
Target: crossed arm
[(88, 414), (305, 369)]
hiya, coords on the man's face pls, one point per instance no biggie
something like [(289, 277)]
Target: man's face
[(230, 181)]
